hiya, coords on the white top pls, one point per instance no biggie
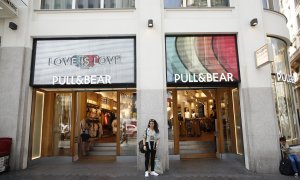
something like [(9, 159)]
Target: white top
[(151, 135)]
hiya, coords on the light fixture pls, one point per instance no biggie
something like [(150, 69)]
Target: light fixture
[(150, 23), (254, 22), (12, 26)]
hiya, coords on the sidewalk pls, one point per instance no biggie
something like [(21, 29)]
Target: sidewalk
[(55, 168)]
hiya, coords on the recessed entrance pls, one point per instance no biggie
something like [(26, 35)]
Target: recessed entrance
[(110, 117), (204, 122)]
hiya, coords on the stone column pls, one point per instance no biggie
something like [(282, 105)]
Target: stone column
[(15, 104), (151, 76), (260, 129)]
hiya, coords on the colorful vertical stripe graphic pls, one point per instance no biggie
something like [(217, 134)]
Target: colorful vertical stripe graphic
[(202, 55)]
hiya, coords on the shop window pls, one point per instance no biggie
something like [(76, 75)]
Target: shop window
[(283, 93)]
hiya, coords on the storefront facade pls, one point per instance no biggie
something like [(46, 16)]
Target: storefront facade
[(74, 78), (283, 85), (188, 70)]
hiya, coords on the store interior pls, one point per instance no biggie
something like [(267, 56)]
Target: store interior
[(194, 115), (206, 119)]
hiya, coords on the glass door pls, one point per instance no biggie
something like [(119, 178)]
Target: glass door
[(128, 123), (229, 129), (62, 124), (52, 124)]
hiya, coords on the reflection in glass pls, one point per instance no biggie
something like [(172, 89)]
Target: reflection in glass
[(62, 124), (195, 3), (119, 3), (226, 121), (237, 122), (56, 4), (86, 4), (219, 3), (283, 93), (128, 123), (170, 122)]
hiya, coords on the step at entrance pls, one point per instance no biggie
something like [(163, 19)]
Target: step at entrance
[(197, 149), (103, 149)]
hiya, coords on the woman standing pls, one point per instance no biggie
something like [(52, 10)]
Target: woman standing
[(151, 142)]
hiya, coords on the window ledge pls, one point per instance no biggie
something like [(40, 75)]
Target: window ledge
[(46, 11)]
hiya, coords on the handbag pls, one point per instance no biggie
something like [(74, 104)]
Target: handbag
[(141, 144), (157, 166)]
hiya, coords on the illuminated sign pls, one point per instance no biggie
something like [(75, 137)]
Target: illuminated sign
[(79, 80), (98, 61), (201, 59), (285, 78), (203, 77)]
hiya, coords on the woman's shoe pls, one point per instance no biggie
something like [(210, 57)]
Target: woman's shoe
[(146, 174), (153, 173)]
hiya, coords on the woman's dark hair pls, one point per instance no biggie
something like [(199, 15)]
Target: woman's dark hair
[(282, 138), (155, 125)]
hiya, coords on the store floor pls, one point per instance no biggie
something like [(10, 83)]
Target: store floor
[(202, 169), (107, 139), (205, 136)]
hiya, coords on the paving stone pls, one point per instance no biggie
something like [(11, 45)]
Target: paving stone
[(203, 169)]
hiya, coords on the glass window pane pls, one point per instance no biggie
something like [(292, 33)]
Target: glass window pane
[(128, 123), (82, 4), (47, 4), (226, 121), (173, 3), (283, 93), (109, 3), (219, 3), (93, 4), (196, 3), (56, 4), (63, 4), (265, 4), (62, 124), (237, 121), (170, 122)]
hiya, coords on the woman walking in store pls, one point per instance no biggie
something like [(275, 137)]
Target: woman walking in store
[(151, 142)]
